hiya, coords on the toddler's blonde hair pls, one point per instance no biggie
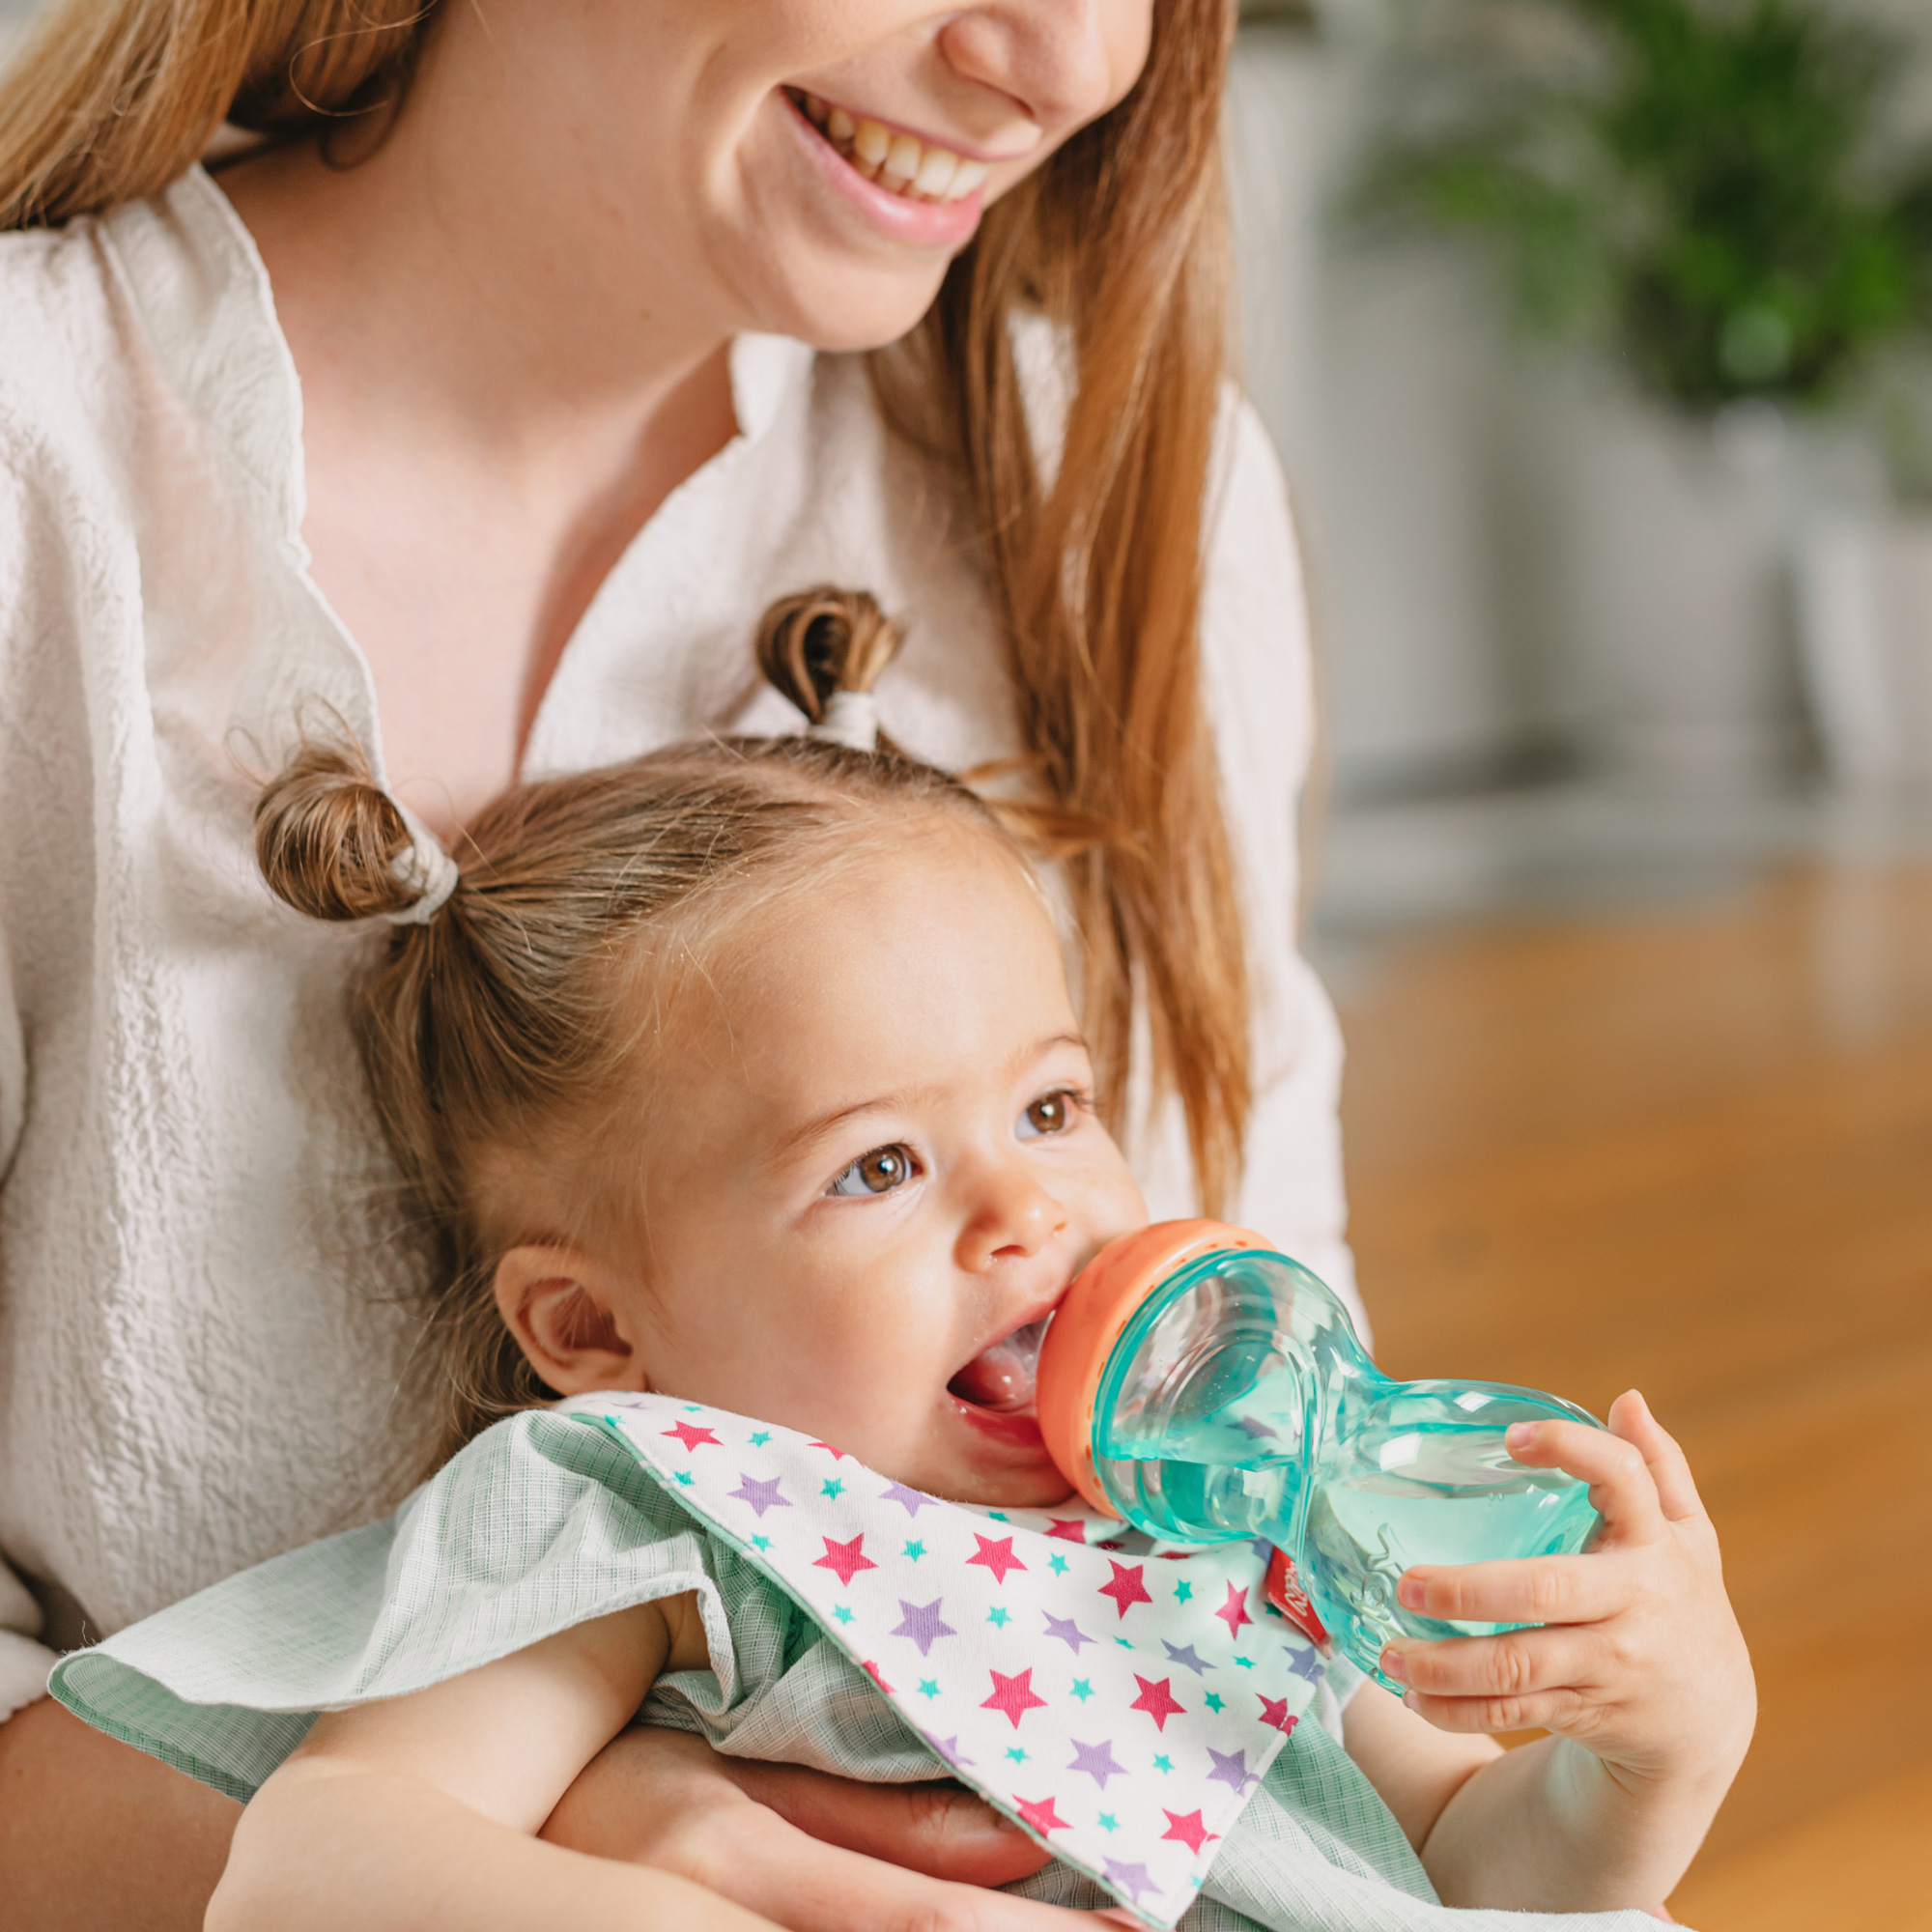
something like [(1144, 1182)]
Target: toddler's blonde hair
[(508, 1023)]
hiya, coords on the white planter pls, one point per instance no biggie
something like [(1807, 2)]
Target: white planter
[(1864, 603), (1659, 577)]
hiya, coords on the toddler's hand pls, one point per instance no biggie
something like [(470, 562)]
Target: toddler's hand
[(1639, 1661)]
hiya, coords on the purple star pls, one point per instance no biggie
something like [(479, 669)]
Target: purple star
[(1067, 1631), (1133, 1877), (761, 1496), (1231, 1770), (1097, 1761), (949, 1749), (1305, 1663), (1263, 1548), (912, 1499), (1184, 1654), (1252, 1429), (922, 1622)]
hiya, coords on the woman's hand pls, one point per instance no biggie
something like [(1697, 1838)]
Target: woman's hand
[(1639, 1658), (811, 1851)]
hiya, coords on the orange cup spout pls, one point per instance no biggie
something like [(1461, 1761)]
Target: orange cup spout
[(1088, 1323)]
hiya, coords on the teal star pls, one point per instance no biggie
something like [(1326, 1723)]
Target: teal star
[(684, 1476), (928, 1688), (1124, 1643), (1246, 1663), (834, 1488), (914, 1550), (692, 1407), (1183, 1591), (998, 1617), (761, 1543), (760, 1440), (998, 1516), (1081, 1689), (1017, 1755), (1058, 1565), (1163, 1762), (844, 1614), (1214, 1702), (1108, 1821)]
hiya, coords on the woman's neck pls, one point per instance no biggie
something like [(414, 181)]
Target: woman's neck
[(496, 397)]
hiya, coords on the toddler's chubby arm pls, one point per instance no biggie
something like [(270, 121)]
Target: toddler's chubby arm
[(422, 1811), (1639, 1673), (421, 1814)]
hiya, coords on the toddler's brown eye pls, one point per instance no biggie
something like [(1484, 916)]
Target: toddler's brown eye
[(1050, 1114), (879, 1172)]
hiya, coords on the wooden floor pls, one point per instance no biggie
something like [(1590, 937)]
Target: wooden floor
[(1692, 1154)]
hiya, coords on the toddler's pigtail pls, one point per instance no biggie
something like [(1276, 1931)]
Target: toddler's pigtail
[(821, 642), (333, 845)]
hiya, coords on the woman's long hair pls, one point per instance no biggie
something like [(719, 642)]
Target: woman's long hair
[(1118, 241)]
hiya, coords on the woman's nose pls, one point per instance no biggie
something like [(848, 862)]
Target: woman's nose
[(1056, 58), (1014, 1217)]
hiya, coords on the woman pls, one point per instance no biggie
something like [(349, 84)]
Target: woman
[(482, 407)]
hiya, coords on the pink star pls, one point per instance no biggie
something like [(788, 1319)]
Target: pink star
[(1156, 1700), (1126, 1589), (846, 1558), (1071, 1528), (694, 1437), (1274, 1712), (1235, 1611), (836, 1455), (1013, 1695), (1038, 1812), (871, 1670), (996, 1556), (1190, 1830)]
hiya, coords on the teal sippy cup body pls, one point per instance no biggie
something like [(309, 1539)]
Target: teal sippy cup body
[(1238, 1401)]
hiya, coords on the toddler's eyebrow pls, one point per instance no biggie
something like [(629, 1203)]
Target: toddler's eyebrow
[(900, 1100)]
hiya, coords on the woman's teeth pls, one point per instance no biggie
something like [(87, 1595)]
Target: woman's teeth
[(895, 162)]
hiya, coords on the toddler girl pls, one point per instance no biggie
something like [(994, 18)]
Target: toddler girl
[(754, 1130)]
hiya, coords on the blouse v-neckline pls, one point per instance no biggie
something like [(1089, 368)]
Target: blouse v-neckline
[(241, 378)]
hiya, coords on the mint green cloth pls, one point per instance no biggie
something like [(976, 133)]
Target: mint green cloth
[(545, 1522)]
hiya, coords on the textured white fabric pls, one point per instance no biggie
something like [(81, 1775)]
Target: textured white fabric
[(202, 1267)]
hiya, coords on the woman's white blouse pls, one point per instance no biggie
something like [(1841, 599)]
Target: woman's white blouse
[(204, 1273)]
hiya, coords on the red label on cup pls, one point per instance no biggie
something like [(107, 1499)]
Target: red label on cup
[(1283, 1589)]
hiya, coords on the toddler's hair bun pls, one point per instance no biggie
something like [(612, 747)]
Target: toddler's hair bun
[(328, 838), (824, 640)]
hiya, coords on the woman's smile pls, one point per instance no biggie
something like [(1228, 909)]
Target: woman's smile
[(913, 192)]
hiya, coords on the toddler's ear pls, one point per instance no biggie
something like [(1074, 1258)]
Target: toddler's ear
[(560, 1304)]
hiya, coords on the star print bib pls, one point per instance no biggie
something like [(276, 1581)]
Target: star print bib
[(1119, 1703)]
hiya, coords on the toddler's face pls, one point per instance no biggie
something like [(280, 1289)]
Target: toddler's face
[(873, 1156)]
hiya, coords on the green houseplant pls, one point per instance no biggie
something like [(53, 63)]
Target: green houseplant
[(1706, 184)]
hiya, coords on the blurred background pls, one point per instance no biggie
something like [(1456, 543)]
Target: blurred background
[(1596, 336)]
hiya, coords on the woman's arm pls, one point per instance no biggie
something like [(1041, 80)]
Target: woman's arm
[(97, 1836)]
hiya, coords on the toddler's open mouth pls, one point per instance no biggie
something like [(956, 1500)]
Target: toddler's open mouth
[(1000, 1379)]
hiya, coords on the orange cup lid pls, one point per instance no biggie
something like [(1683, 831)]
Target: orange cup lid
[(1103, 1300)]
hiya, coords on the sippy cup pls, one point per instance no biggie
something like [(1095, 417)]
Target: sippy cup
[(1206, 1388)]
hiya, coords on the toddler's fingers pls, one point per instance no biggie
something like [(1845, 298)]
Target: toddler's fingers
[(1517, 1590), (1512, 1664), (1561, 1710), (1676, 1492), (1622, 1488)]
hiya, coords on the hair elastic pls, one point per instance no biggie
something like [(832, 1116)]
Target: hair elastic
[(851, 717), (427, 868)]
